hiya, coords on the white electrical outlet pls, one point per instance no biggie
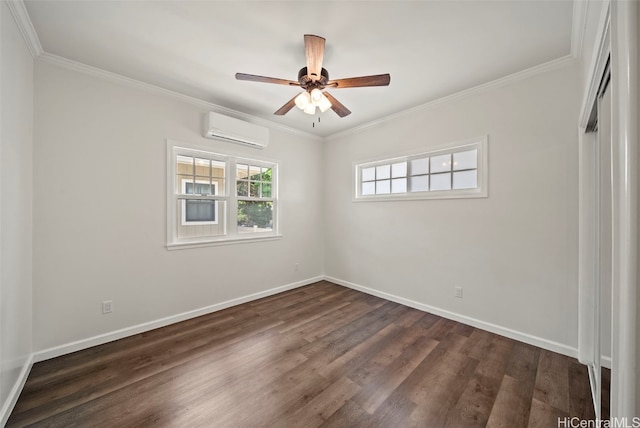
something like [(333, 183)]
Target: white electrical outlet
[(107, 306), (296, 267), (458, 292)]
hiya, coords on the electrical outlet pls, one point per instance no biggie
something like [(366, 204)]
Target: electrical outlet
[(296, 267), (458, 292), (107, 306)]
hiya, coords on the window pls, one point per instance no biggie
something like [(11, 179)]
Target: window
[(216, 198), (453, 171)]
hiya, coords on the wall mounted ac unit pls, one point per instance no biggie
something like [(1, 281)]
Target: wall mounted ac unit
[(235, 130)]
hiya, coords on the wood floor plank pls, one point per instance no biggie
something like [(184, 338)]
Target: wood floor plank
[(512, 405), (387, 355), (544, 415), (473, 408), (552, 380), (381, 386), (319, 355), (322, 406)]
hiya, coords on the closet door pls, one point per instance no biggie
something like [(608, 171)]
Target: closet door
[(605, 232)]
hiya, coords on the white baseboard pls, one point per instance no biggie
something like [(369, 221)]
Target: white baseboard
[(493, 328), (12, 398), (141, 328)]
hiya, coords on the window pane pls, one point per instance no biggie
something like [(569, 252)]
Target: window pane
[(254, 189), (266, 174), (199, 211), (194, 218), (441, 181), (383, 171), (243, 188), (383, 187), (369, 188), (203, 167), (420, 183), (266, 190), (465, 160), (399, 170), (217, 169), (217, 187), (399, 185), (184, 165), (441, 163), (420, 166), (181, 183), (465, 179), (254, 173), (369, 174), (242, 170), (198, 189), (254, 216)]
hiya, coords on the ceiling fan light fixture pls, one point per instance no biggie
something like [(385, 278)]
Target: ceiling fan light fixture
[(303, 100), (324, 104), (310, 109), (316, 96)]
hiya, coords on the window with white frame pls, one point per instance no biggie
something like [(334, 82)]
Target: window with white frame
[(457, 170), (215, 198)]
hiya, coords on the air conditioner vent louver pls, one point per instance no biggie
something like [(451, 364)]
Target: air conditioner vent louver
[(235, 130)]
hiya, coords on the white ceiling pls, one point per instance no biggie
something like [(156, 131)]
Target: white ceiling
[(430, 48)]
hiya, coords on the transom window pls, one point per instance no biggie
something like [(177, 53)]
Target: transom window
[(452, 171), (214, 198)]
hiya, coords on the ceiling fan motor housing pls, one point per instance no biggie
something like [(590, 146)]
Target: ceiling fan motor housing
[(307, 83)]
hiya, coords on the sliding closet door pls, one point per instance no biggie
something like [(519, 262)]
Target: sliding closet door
[(606, 220)]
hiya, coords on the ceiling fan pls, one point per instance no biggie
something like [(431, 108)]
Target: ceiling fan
[(313, 79)]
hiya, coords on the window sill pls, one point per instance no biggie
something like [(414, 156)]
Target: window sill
[(418, 196), (226, 241)]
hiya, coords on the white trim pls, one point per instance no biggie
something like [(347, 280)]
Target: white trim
[(227, 241), (14, 394), (493, 328), (162, 322), (154, 89), (555, 64), (601, 51), (624, 61), (21, 16)]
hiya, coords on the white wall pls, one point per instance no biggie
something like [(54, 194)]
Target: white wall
[(100, 220), (16, 193), (514, 253)]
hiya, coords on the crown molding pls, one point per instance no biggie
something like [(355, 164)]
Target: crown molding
[(555, 64), (21, 16), (127, 81)]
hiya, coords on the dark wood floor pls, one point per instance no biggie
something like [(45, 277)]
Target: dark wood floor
[(320, 355)]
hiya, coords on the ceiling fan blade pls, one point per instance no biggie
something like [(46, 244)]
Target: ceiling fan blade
[(285, 108), (263, 79), (355, 82), (337, 106), (314, 50)]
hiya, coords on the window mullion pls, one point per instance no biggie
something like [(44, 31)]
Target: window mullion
[(232, 206)]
